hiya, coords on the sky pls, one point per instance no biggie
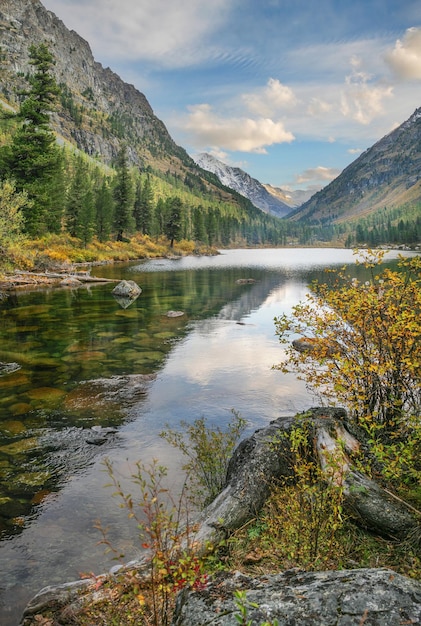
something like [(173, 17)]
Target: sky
[(291, 91)]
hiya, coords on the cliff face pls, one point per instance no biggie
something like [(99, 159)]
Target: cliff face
[(97, 107)]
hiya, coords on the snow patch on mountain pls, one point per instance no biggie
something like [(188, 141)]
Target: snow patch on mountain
[(235, 178)]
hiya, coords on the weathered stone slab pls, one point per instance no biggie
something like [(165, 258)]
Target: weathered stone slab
[(373, 597)]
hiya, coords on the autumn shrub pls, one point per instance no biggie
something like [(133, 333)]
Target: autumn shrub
[(12, 204), (301, 522), (365, 353), (167, 537)]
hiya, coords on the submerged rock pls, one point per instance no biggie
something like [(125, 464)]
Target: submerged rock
[(175, 313), (374, 597), (8, 368)]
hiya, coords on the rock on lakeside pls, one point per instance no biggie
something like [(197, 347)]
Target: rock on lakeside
[(373, 597)]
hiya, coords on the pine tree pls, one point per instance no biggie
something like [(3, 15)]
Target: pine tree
[(79, 205), (199, 230), (104, 207), (159, 218), (123, 196), (33, 159), (143, 206), (174, 219)]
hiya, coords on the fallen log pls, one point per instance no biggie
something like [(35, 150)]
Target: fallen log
[(82, 276)]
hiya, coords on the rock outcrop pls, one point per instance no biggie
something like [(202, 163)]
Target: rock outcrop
[(87, 87), (127, 289), (373, 597)]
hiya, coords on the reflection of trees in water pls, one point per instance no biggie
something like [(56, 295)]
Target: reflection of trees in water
[(251, 298)]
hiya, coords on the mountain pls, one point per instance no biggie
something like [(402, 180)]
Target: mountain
[(98, 111), (96, 107), (294, 198), (235, 178), (387, 176)]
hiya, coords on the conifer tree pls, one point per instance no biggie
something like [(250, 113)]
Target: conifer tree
[(79, 205), (174, 219), (33, 159), (123, 196), (199, 230), (143, 206), (104, 208), (159, 217)]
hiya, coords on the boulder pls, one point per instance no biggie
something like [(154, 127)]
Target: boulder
[(373, 597), (127, 289)]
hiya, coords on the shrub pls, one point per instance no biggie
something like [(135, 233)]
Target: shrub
[(366, 348), (165, 533), (208, 450)]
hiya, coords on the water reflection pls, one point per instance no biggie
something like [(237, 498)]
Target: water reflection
[(87, 362)]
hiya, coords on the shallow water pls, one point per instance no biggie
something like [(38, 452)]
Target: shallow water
[(74, 345)]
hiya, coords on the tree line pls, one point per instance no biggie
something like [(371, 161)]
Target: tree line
[(58, 189)]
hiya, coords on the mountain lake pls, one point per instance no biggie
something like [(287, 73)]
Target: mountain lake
[(100, 378)]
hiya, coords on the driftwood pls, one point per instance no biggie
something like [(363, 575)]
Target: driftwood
[(82, 276)]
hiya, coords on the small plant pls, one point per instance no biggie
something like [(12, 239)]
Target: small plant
[(301, 523), (165, 534), (243, 605), (304, 513), (208, 450)]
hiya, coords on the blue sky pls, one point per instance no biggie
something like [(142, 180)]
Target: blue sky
[(292, 91)]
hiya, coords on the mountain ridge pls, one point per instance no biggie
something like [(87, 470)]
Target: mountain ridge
[(388, 174), (239, 180), (97, 112)]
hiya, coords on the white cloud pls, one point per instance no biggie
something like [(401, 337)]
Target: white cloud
[(354, 151), (316, 175), (171, 34), (270, 100), (243, 134), (317, 107), (405, 58), (361, 100)]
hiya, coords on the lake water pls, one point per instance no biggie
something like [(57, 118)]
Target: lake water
[(88, 362)]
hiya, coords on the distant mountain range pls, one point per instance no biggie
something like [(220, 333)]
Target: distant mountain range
[(266, 197)]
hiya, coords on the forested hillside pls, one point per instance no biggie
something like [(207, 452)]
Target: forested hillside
[(376, 199), (101, 164)]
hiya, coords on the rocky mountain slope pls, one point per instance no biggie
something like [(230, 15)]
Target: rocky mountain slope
[(94, 98), (387, 175), (97, 109), (235, 178)]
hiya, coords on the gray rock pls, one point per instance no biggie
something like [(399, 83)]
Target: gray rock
[(373, 597), (8, 368), (175, 313), (127, 289)]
